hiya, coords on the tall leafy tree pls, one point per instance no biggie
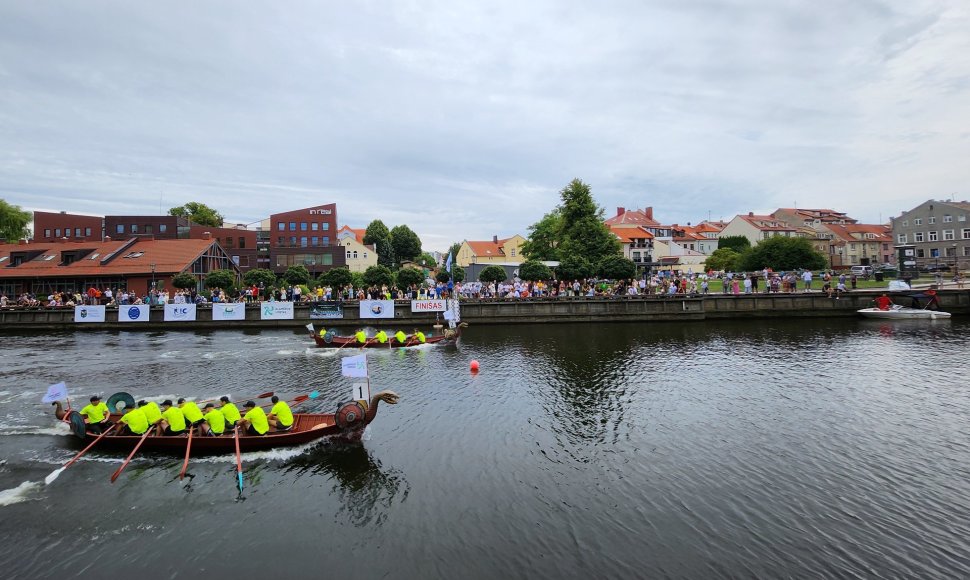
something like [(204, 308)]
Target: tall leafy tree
[(258, 276), (492, 273), (336, 278), (782, 253), (737, 243), (184, 281), (378, 276), (409, 276), (723, 259), (617, 268), (453, 250), (378, 234), (457, 273), (583, 231), (198, 213), (544, 237), (406, 243), (297, 275), (533, 270), (426, 260), (225, 279), (574, 267), (13, 222)]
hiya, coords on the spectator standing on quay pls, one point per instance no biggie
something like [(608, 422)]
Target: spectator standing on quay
[(807, 279)]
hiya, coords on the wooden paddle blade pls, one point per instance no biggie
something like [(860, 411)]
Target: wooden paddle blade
[(265, 395), (314, 394), (188, 447), (301, 398)]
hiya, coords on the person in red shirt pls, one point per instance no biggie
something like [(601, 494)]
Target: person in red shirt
[(883, 302)]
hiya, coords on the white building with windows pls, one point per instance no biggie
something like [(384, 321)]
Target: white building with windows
[(940, 230), (359, 256)]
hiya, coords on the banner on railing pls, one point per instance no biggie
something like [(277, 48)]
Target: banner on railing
[(89, 314), (179, 312), (133, 313), (326, 309), (428, 306), (228, 311), (377, 309), (276, 311)]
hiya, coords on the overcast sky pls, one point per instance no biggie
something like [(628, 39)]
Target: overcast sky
[(463, 120)]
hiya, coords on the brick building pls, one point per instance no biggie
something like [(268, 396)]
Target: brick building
[(55, 226), (305, 236)]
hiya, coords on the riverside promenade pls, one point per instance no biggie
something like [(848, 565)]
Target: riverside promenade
[(518, 311)]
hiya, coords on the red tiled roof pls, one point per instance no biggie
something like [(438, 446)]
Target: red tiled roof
[(758, 221), (358, 233), (168, 256), (487, 248), (631, 217)]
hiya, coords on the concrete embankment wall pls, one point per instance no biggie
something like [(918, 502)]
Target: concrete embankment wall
[(618, 309)]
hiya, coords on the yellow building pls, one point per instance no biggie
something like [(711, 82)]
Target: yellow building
[(494, 251), (359, 257)]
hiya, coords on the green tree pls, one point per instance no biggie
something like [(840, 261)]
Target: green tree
[(297, 275), (426, 260), (225, 279), (258, 276), (408, 276), (198, 213), (533, 270), (617, 268), (782, 253), (544, 236), (184, 281), (492, 274), (723, 259), (13, 222), (357, 279), (406, 243), (575, 268), (336, 278), (453, 250), (378, 235), (583, 232), (378, 276), (457, 272), (737, 243)]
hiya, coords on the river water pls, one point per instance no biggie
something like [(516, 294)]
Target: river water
[(773, 449)]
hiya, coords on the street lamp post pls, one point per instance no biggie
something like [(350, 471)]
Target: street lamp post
[(956, 270), (151, 297)]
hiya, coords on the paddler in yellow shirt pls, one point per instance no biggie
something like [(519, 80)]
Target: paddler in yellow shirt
[(254, 421), (215, 422), (135, 421), (152, 412), (193, 415), (173, 421), (229, 411), (280, 416), (96, 415)]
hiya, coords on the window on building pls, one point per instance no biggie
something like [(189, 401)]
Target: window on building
[(325, 240), (162, 228), (303, 226), (947, 218), (279, 241), (149, 229), (916, 222), (303, 242), (513, 252), (292, 226), (57, 232), (365, 255), (962, 218), (355, 254), (228, 242), (47, 233), (901, 238), (314, 240), (282, 226), (235, 260), (314, 226), (966, 250), (348, 254), (933, 237), (906, 223), (920, 253), (932, 220), (948, 234), (326, 259), (324, 226), (934, 253), (951, 251), (293, 241), (134, 228), (918, 237), (966, 233)]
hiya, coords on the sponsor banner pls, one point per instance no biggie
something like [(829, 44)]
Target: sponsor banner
[(179, 312), (133, 313), (276, 311), (89, 314), (428, 306), (377, 309), (326, 309), (56, 392), (228, 311), (354, 366)]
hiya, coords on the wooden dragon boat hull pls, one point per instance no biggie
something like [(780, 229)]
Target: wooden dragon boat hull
[(337, 341)]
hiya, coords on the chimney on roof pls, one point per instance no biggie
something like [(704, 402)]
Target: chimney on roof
[(62, 211), (206, 235), (620, 211), (750, 214), (648, 212), (494, 239)]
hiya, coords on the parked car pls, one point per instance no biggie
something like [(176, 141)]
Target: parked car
[(935, 268), (861, 271)]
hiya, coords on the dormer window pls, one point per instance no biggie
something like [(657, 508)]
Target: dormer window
[(134, 254)]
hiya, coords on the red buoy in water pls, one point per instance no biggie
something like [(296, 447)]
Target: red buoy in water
[(474, 366)]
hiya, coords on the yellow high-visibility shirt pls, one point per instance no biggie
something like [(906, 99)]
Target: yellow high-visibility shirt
[(152, 413), (283, 414), (136, 421), (257, 418), (95, 413), (216, 421), (400, 336), (230, 412), (175, 418), (420, 336), (191, 411), (381, 337), (361, 336)]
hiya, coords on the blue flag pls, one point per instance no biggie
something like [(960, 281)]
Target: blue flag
[(448, 264)]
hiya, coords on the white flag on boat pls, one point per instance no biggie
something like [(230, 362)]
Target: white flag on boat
[(354, 366), (56, 392), (310, 327)]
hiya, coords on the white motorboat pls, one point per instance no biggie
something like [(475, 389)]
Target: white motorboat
[(903, 313)]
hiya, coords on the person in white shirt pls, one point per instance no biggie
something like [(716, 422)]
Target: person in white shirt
[(807, 279)]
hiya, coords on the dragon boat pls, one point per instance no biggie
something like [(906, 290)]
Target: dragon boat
[(346, 424), (330, 339)]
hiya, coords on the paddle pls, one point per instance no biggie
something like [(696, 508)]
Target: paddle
[(265, 395), (188, 447), (238, 459), (50, 478), (115, 475), (298, 399)]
